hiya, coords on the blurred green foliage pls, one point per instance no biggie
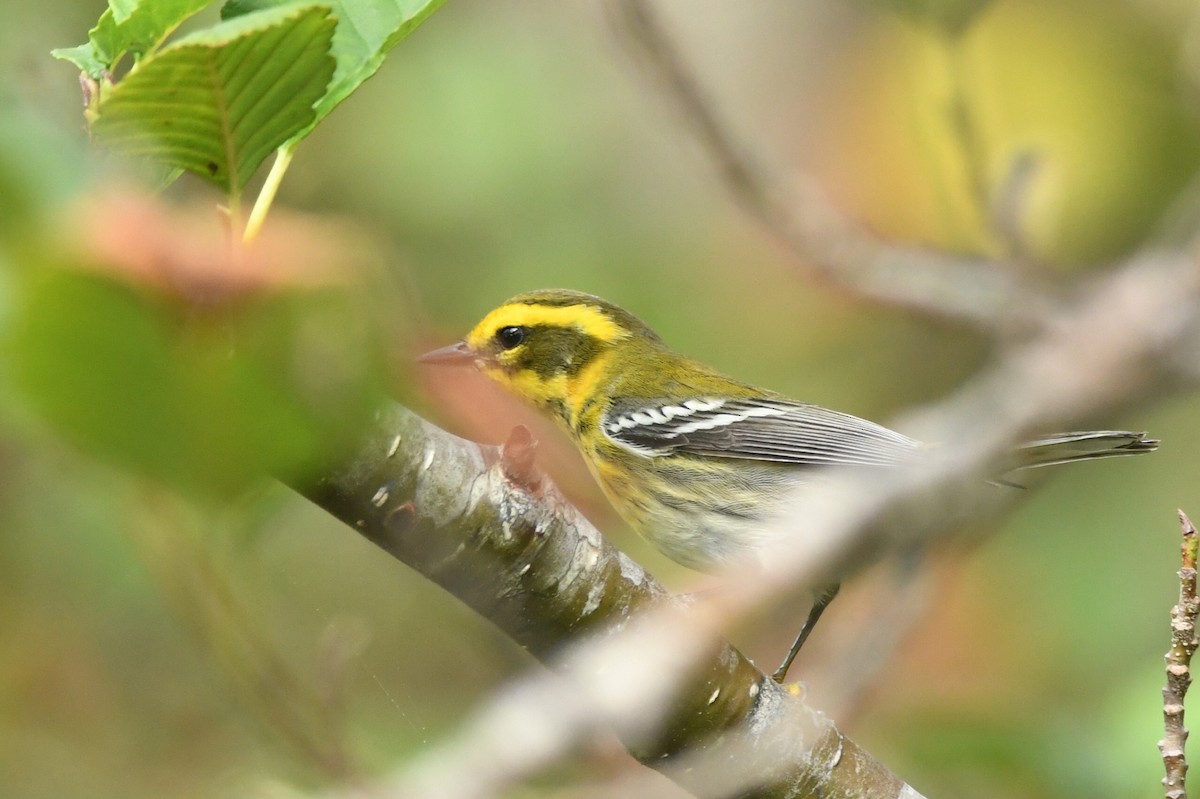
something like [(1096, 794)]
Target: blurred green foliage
[(506, 147), (208, 401)]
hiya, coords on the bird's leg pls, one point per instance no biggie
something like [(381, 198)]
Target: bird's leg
[(822, 600)]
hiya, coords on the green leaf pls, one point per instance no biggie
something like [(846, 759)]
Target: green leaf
[(236, 8), (83, 56), (123, 9), (216, 103), (128, 26), (366, 30)]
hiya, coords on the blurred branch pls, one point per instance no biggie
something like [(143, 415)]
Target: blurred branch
[(485, 526), (1179, 660), (987, 293)]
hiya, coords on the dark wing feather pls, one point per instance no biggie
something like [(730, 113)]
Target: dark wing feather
[(757, 429)]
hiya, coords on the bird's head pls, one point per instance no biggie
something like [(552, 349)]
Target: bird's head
[(540, 345)]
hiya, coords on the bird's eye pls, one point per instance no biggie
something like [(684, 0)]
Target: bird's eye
[(510, 337)]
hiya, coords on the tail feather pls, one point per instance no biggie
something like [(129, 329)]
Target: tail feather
[(1080, 446)]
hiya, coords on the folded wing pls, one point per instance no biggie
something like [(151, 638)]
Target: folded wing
[(763, 429)]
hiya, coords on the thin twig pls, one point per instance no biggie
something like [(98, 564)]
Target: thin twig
[(990, 294), (1179, 672)]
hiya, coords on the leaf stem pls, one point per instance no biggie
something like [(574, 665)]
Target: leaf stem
[(266, 195)]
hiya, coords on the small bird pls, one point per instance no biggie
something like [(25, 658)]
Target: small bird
[(696, 462)]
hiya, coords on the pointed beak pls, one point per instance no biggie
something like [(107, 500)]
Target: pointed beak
[(455, 355)]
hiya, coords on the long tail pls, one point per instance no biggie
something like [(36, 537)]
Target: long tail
[(1067, 447)]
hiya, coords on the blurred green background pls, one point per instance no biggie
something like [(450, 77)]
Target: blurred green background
[(510, 146)]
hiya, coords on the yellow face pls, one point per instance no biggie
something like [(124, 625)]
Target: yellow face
[(586, 320), (547, 347), (551, 348), (538, 351)]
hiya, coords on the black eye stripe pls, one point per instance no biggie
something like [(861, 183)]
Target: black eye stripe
[(510, 337)]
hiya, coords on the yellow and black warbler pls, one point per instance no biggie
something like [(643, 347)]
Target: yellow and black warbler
[(696, 462)]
